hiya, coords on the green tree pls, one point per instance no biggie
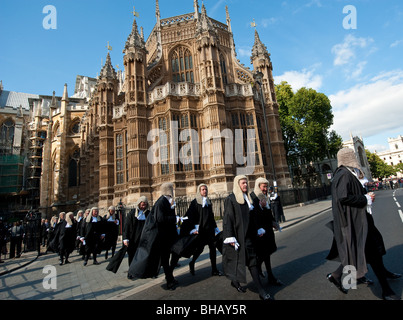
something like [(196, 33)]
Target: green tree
[(379, 169), (305, 119), (399, 167)]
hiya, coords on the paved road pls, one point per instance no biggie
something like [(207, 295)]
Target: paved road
[(299, 262), (23, 278)]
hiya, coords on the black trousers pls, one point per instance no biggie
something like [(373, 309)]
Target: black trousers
[(212, 252), (15, 242)]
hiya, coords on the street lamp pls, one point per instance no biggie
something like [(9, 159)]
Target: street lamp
[(120, 207), (258, 76)]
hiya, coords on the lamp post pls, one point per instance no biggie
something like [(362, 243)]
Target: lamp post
[(120, 210), (258, 76)]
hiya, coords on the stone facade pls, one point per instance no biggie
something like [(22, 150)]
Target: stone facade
[(179, 112)]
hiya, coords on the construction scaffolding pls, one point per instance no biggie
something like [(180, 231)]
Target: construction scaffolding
[(11, 173), (34, 170)]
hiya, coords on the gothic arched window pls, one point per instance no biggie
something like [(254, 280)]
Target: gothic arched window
[(74, 176), (223, 70), (7, 135), (182, 65)]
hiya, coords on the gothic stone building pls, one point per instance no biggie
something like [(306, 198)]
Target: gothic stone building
[(171, 115)]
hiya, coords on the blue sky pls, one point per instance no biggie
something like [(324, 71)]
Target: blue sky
[(359, 69)]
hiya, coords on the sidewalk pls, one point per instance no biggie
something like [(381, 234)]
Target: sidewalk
[(79, 282)]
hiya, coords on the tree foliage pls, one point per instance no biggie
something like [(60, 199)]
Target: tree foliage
[(305, 118), (379, 169)]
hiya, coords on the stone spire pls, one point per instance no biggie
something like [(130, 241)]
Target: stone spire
[(53, 103), (65, 96), (204, 23), (259, 49), (228, 19), (157, 12), (107, 70), (196, 9), (134, 39)]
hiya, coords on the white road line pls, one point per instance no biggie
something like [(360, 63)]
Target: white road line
[(398, 204), (401, 214)]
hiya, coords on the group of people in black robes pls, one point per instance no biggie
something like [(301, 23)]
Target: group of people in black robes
[(247, 238), (88, 233)]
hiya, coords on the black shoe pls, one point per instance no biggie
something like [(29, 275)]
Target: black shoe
[(171, 285), (391, 297), (66, 262), (336, 283), (192, 268), (365, 280), (275, 282), (266, 297), (130, 277), (96, 262), (106, 256), (60, 262), (216, 273), (238, 287), (85, 262), (393, 276)]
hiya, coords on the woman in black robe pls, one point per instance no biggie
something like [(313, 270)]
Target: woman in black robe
[(67, 237), (265, 242), (112, 231), (239, 234)]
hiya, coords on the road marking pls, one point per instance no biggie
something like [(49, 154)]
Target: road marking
[(398, 204), (401, 214)]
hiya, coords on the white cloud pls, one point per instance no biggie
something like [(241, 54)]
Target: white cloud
[(268, 21), (244, 52), (396, 43), (346, 51), (298, 79), (370, 108), (376, 147)]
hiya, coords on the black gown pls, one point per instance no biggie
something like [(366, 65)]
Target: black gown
[(158, 236), (239, 222), (266, 244)]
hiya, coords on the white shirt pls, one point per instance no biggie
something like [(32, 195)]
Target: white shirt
[(248, 202), (205, 204), (141, 215)]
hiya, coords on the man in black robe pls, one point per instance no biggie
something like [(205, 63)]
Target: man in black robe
[(200, 220), (158, 236), (276, 205), (94, 234), (239, 234), (355, 242), (134, 224), (265, 242)]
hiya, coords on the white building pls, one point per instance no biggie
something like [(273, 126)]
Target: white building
[(395, 154)]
